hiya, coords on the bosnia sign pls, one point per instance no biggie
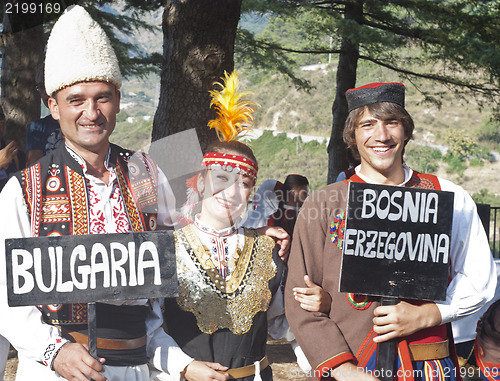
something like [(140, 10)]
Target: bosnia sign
[(397, 242), (89, 268)]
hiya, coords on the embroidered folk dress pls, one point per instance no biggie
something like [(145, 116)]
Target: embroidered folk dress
[(90, 207), (345, 334), (226, 281)]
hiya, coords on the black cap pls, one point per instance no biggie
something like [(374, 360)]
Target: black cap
[(374, 93)]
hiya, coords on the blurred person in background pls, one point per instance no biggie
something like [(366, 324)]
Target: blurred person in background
[(12, 159), (42, 135)]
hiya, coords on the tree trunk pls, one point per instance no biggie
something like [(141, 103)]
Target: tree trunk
[(346, 79), (22, 44), (198, 45)]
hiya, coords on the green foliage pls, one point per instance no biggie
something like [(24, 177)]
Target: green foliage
[(121, 26), (250, 51), (475, 162), (423, 159), (287, 109), (279, 156), (489, 132), (463, 151), (254, 22), (461, 146), (135, 135), (484, 197), (456, 165), (122, 116), (457, 40), (121, 20), (298, 34)]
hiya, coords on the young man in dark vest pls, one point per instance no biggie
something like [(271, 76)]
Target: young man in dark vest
[(342, 345), (88, 186)]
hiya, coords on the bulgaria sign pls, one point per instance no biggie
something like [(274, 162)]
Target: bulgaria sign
[(89, 268)]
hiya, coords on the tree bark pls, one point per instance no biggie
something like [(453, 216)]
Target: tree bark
[(346, 79), (22, 47), (198, 45)]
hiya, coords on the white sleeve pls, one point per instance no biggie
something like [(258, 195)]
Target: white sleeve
[(277, 325), (166, 202), (162, 350), (472, 271), (22, 326)]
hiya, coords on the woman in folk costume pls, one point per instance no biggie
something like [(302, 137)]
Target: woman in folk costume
[(227, 274)]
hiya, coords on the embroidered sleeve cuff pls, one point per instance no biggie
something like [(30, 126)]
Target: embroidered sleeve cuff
[(323, 371), (52, 350)]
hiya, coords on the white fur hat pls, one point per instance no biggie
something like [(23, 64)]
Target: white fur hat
[(78, 50)]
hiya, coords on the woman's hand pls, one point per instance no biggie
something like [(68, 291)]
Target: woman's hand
[(312, 297), (205, 371), (281, 237)]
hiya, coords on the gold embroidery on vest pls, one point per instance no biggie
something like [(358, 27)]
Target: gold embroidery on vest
[(55, 209), (216, 307)]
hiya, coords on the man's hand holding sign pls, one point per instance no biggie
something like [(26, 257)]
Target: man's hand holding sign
[(403, 319), (396, 245)]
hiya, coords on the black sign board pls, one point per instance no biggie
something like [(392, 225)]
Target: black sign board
[(89, 268), (397, 242)]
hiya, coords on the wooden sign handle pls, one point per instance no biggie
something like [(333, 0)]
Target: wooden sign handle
[(92, 326), (384, 361)]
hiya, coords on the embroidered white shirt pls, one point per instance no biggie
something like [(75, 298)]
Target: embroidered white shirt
[(222, 244)]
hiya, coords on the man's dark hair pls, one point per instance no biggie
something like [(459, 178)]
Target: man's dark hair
[(292, 182), (295, 181)]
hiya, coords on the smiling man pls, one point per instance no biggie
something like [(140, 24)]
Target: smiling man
[(342, 345), (88, 186)]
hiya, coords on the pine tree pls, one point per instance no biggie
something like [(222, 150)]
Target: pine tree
[(452, 42), (198, 44)]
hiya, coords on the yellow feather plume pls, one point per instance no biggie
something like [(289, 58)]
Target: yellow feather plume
[(234, 114)]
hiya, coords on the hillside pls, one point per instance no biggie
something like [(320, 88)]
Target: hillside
[(286, 109), (451, 121)]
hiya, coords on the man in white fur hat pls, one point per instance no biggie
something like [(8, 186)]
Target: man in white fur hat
[(89, 184)]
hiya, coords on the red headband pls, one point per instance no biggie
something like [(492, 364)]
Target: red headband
[(225, 161)]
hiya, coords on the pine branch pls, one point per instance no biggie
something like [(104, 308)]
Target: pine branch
[(476, 87)]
